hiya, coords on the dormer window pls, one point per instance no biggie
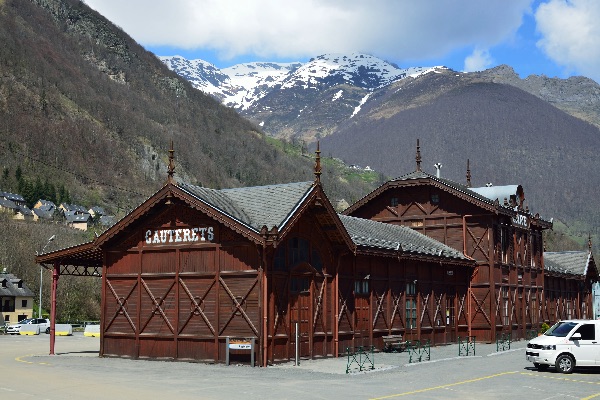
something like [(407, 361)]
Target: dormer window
[(20, 284), (3, 283)]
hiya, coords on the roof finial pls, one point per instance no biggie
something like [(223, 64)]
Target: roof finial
[(171, 167), (318, 164), (418, 157), (468, 174), (590, 242)]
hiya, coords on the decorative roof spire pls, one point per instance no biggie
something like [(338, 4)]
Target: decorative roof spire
[(468, 174), (590, 242), (318, 164), (418, 157), (171, 167)]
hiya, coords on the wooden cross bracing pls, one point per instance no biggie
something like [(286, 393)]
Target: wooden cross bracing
[(238, 306), (196, 308)]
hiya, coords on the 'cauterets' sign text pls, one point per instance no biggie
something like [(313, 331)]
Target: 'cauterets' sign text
[(181, 235)]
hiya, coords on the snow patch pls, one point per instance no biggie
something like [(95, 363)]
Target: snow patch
[(362, 101)]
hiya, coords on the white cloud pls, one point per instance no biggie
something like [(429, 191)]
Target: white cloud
[(479, 60), (394, 29), (571, 34)]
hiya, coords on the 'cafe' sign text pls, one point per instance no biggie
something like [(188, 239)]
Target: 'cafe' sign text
[(181, 235)]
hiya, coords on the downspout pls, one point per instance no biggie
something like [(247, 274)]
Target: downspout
[(55, 275), (265, 307)]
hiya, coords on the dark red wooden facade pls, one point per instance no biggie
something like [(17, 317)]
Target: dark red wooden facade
[(180, 276), (505, 293)]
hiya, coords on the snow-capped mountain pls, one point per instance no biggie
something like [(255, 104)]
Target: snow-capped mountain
[(241, 86)]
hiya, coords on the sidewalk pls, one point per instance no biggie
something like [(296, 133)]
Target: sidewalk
[(386, 361)]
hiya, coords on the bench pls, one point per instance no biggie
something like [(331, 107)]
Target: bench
[(394, 343)]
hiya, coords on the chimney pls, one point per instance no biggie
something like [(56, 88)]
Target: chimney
[(438, 167)]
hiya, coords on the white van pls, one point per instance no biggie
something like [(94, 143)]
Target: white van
[(565, 345)]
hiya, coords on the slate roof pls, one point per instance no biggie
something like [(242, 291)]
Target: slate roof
[(74, 208), (576, 263), (454, 185), (25, 211), (12, 288), (74, 216), (46, 205), (12, 197), (255, 206), (375, 234), (8, 204), (44, 214), (97, 210)]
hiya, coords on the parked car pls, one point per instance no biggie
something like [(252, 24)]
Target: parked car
[(565, 345), (15, 329)]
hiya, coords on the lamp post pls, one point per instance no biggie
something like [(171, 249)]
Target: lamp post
[(41, 277)]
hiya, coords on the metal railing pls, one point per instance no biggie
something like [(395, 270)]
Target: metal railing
[(466, 346), (418, 351), (360, 358), (503, 342)]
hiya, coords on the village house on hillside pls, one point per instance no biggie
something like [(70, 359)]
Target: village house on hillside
[(16, 300), (73, 215)]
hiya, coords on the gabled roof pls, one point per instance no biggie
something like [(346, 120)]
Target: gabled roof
[(75, 216), (12, 286), (375, 234), (575, 263), (42, 213), (468, 194), (45, 205), (8, 204), (25, 211), (12, 197), (257, 206)]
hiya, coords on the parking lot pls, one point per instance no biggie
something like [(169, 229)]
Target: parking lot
[(76, 371)]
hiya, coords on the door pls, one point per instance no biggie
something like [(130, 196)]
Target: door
[(585, 349), (300, 313), (450, 321)]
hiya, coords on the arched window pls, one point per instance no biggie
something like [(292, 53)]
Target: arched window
[(294, 251)]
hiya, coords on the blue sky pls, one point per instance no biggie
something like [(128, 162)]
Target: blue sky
[(552, 37)]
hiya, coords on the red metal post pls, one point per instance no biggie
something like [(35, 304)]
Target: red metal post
[(55, 275)]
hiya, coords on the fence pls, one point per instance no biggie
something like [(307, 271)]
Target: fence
[(360, 358), (503, 341), (466, 346), (420, 352)]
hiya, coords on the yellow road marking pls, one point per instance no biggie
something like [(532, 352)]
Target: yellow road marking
[(21, 359), (445, 386), (591, 397), (559, 378)]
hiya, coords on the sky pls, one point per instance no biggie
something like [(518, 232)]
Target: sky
[(557, 38)]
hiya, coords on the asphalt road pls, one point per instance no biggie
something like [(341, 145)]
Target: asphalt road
[(76, 372)]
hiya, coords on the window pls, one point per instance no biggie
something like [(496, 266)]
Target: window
[(361, 287), (296, 251), (435, 199), (24, 303), (411, 288), (299, 284), (588, 331), (394, 202)]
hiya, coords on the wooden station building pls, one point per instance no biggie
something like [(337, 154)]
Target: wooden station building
[(192, 266), (568, 280), (509, 291)]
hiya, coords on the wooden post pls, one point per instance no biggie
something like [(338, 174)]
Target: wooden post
[(55, 275)]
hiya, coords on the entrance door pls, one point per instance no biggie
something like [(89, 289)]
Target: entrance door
[(450, 321), (300, 313)]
